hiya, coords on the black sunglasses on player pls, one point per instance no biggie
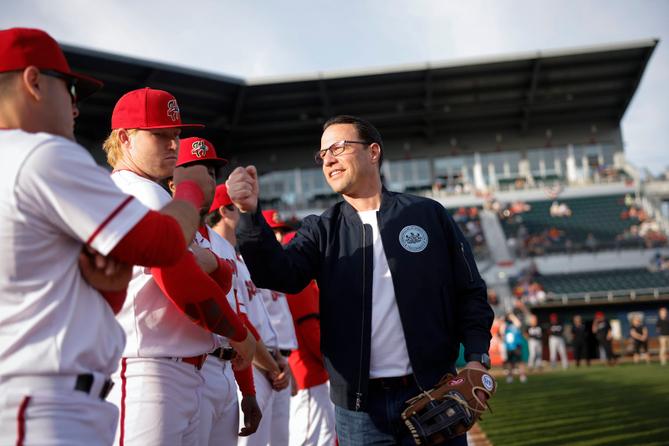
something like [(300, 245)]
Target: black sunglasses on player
[(71, 83)]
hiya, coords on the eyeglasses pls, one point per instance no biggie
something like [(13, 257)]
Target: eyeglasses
[(71, 83), (336, 149)]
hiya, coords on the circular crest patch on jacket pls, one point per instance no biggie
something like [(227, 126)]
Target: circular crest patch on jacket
[(413, 238)]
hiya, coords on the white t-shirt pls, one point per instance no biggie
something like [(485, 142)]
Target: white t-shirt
[(280, 318), (389, 356), (154, 326), (53, 199), (255, 306)]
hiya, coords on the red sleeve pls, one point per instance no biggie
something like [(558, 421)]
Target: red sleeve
[(156, 240), (309, 332), (199, 297), (250, 326), (222, 275), (115, 299), (245, 382)]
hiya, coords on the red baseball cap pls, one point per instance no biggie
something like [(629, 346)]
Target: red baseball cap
[(221, 198), (198, 150), (24, 47), (599, 314), (273, 219), (146, 109)]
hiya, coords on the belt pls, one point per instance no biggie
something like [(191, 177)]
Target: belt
[(280, 351), (95, 385), (195, 361), (85, 381), (394, 382), (224, 354)]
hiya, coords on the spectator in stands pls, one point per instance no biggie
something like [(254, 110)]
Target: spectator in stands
[(535, 344), (629, 200), (580, 341), (513, 344), (556, 342), (591, 242), (662, 328), (639, 335), (602, 330), (559, 210)]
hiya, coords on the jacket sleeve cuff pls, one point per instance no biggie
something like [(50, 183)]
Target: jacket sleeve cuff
[(476, 344)]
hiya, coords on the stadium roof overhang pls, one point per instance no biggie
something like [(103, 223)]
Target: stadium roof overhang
[(427, 101)]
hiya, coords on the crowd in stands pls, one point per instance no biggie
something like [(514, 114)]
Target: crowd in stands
[(469, 221)]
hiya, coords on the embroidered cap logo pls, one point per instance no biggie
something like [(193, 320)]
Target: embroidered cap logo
[(199, 149), (173, 110)]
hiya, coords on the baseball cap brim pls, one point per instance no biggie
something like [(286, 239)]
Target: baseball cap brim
[(178, 126), (217, 162)]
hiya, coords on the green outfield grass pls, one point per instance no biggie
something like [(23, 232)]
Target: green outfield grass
[(623, 405)]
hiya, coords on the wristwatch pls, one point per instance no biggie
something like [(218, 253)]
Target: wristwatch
[(483, 358)]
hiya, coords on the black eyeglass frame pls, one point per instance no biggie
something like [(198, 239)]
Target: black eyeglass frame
[(337, 149), (71, 83)]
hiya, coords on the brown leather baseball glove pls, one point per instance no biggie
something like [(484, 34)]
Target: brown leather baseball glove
[(450, 408)]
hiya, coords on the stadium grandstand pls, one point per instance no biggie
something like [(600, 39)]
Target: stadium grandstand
[(525, 151)]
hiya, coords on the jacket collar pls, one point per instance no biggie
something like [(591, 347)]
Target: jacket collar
[(387, 199)]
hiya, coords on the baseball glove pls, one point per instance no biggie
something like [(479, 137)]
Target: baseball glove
[(450, 408)]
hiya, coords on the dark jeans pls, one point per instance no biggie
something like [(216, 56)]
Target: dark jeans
[(381, 424)]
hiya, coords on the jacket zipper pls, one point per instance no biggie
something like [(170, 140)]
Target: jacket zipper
[(358, 394), (464, 257)]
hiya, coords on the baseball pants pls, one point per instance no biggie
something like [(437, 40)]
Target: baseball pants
[(265, 398), (312, 417), (159, 402), (535, 353), (556, 345), (219, 410), (42, 410)]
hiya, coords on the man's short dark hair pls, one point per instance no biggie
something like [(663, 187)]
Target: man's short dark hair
[(366, 131), (213, 218)]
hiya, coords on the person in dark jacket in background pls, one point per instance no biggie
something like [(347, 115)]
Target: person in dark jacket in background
[(580, 341), (399, 286)]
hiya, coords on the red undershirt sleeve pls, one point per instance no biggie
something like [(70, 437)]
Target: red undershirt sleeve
[(222, 275), (250, 326), (199, 297), (156, 240), (115, 299), (245, 382)]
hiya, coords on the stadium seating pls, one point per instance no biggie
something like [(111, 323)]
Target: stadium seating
[(599, 216), (611, 280)]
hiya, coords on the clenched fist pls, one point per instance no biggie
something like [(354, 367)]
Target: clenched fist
[(242, 187)]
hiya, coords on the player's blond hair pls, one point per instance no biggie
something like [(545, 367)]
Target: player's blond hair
[(113, 147)]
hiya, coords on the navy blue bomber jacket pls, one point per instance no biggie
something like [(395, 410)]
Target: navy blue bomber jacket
[(441, 297)]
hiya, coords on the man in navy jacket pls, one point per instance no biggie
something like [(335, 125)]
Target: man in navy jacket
[(399, 286)]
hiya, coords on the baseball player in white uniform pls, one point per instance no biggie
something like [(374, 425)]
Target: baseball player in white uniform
[(286, 341), (219, 408), (270, 377), (159, 381), (59, 339)]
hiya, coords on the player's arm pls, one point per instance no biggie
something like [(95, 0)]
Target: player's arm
[(199, 297)]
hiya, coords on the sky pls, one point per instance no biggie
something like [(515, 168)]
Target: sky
[(268, 38)]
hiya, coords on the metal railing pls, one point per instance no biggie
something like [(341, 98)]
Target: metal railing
[(603, 297)]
